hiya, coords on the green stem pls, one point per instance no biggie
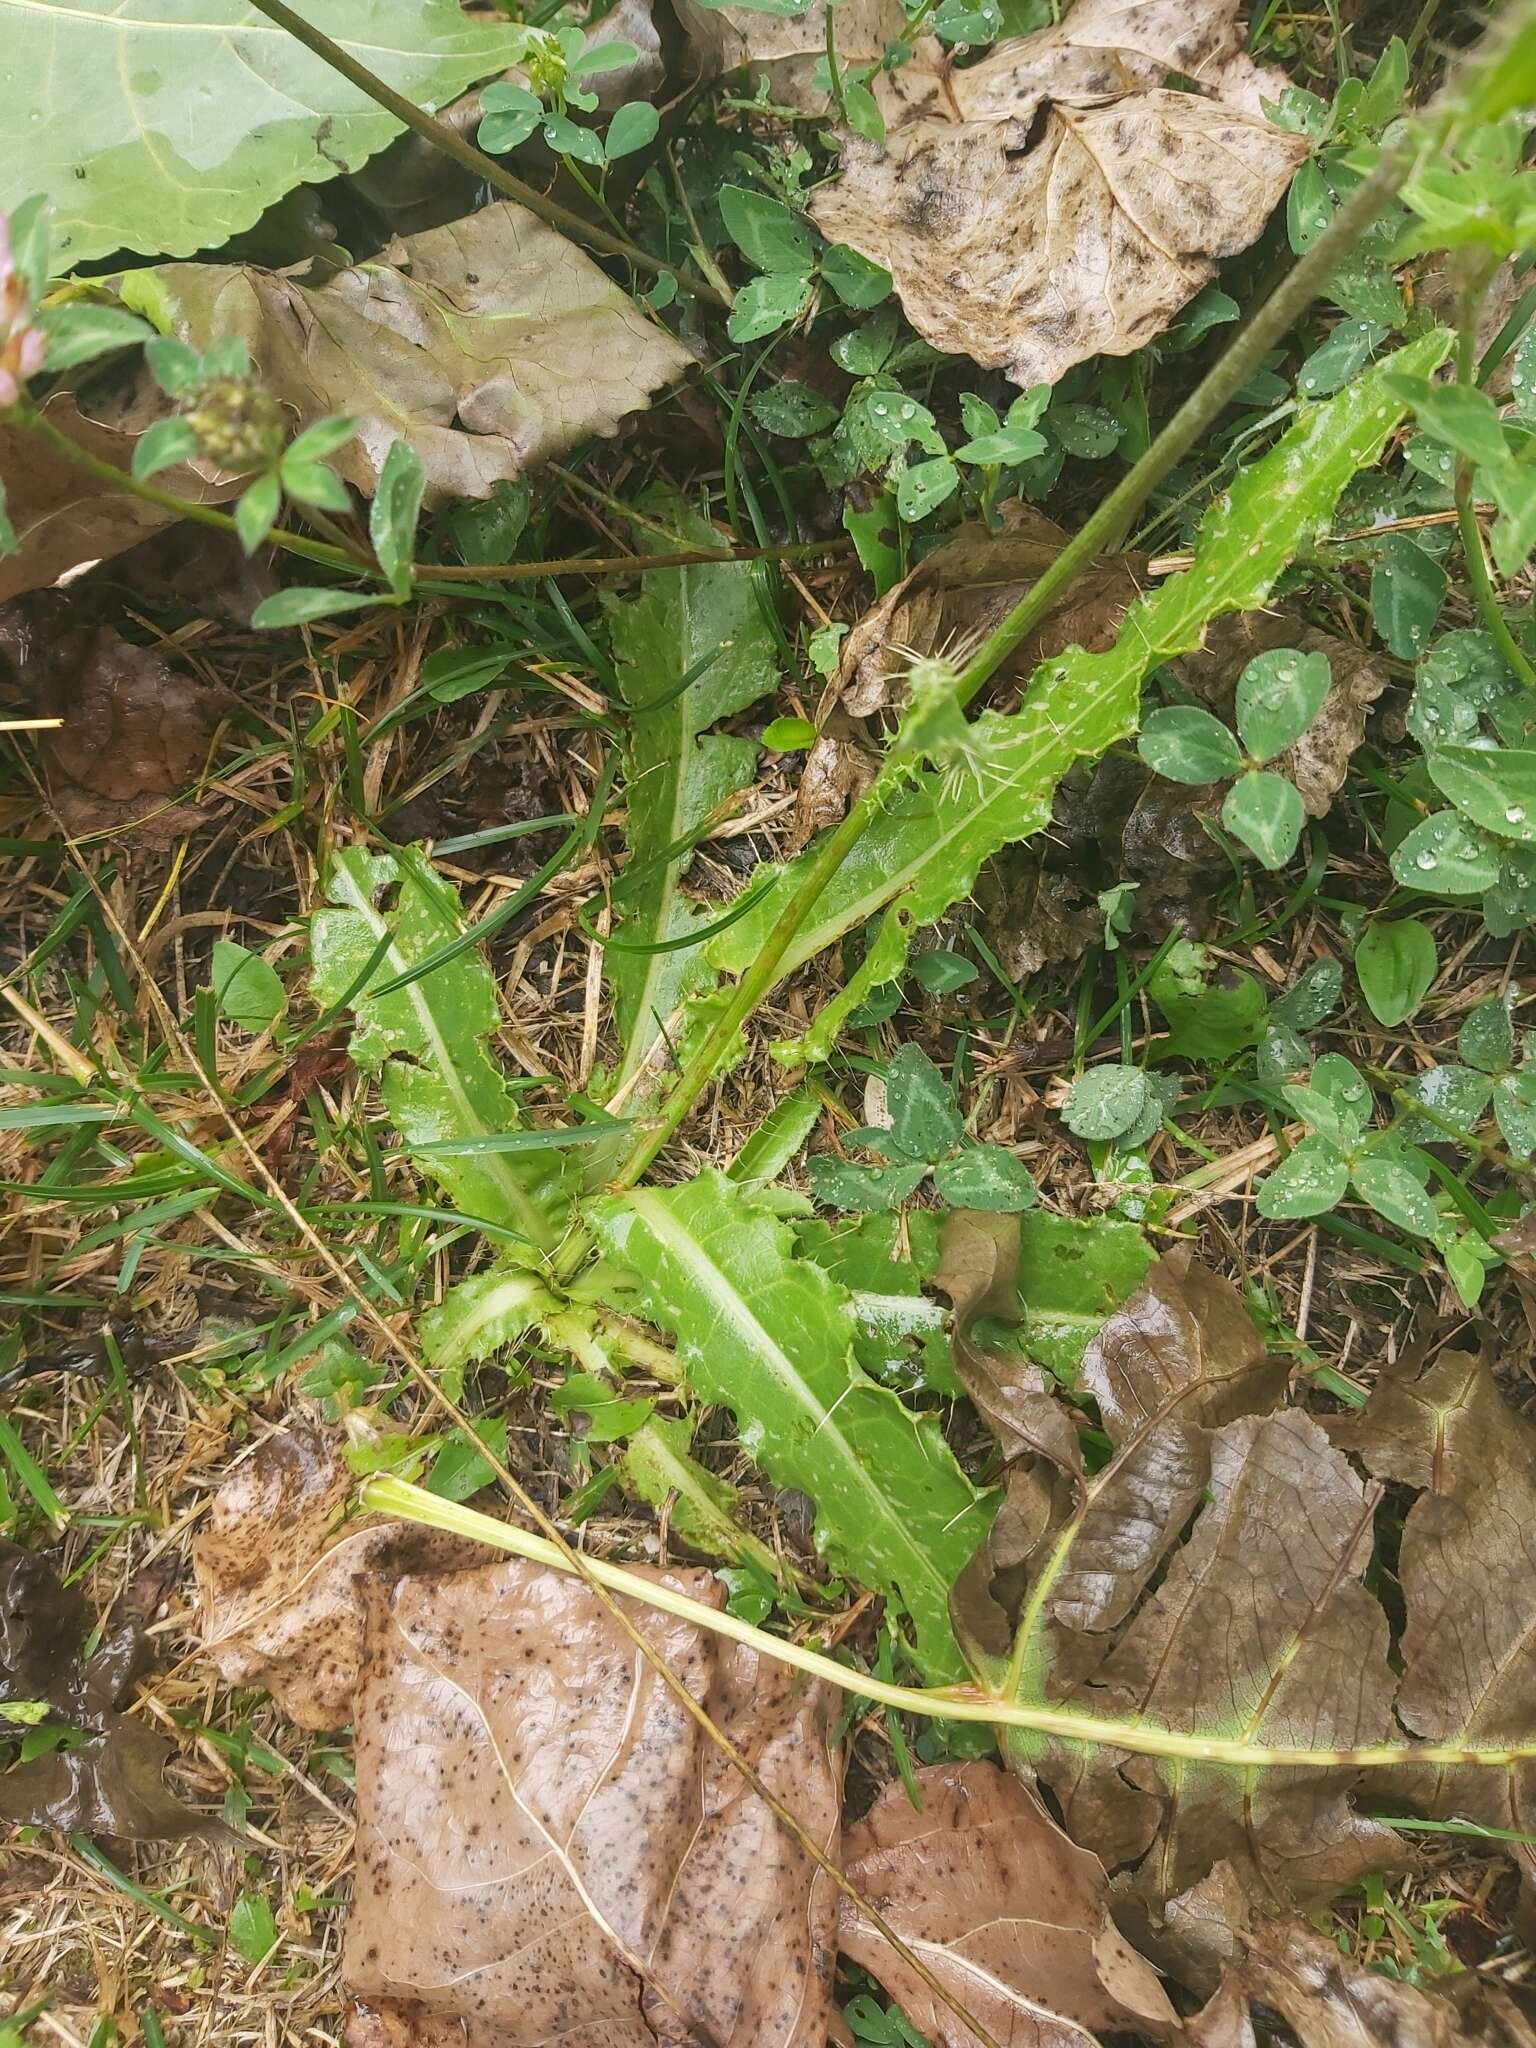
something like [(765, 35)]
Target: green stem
[(474, 160), (959, 1703), (117, 479), (1474, 554)]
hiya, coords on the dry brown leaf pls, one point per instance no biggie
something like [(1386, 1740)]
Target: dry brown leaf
[(1052, 202), (1153, 832), (1011, 1918), (550, 1849), (136, 733), (785, 49), (1332, 2000), (837, 771), (63, 517), (1034, 917), (964, 588), (1468, 1573), (490, 345), (283, 1590), (1319, 761)]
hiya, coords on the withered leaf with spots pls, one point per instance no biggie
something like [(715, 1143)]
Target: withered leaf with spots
[(1437, 1422), (110, 1783), (1009, 1915), (551, 1849), (1054, 201)]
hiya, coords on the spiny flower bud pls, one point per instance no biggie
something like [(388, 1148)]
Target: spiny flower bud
[(238, 424), (22, 345)]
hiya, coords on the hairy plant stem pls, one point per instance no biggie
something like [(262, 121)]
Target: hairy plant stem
[(1493, 79), (1474, 553), (942, 1703), (475, 160)]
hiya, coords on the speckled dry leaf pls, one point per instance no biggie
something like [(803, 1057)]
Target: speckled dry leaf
[(1468, 1574), (1154, 832), (964, 588), (785, 49), (1261, 1628), (491, 346), (836, 772), (282, 1589), (1011, 1918), (1330, 1999), (63, 517), (1319, 761), (1033, 916), (1054, 202), (551, 1850)]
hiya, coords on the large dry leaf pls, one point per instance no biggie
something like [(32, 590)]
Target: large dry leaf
[(1011, 1918), (63, 517), (283, 1588), (964, 588), (1468, 1573), (1054, 202), (491, 345), (551, 1850), (111, 1783), (785, 49)]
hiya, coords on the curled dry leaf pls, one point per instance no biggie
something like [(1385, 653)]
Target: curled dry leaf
[(490, 345), (136, 734), (64, 519), (1154, 832), (550, 1847), (1052, 202), (836, 773), (1330, 1999), (1468, 1574), (111, 1783), (1007, 1913), (1319, 761), (964, 588)]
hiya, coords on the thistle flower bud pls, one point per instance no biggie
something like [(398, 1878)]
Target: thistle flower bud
[(238, 424), (22, 345)]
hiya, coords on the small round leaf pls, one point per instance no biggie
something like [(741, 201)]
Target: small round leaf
[(1188, 745), (1310, 1182), (1107, 1102), (1278, 696), (1266, 813)]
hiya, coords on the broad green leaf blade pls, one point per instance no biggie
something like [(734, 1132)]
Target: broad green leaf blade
[(166, 126), (1496, 788), (659, 1467), (770, 1336), (246, 987), (707, 623), (429, 1041), (928, 846), (1396, 962), (480, 1315)]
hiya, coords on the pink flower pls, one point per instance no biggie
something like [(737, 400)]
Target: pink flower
[(22, 346)]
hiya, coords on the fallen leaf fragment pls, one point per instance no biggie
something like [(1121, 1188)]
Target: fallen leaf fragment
[(1329, 1999), (110, 1784), (490, 345), (1010, 1917), (136, 734), (957, 594), (1053, 202), (550, 1848), (785, 49)]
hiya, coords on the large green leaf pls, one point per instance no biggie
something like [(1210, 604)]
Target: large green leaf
[(428, 1041), (925, 851), (166, 126), (708, 623), (770, 1336)]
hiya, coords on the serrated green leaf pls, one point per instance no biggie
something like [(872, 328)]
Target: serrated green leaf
[(1310, 1181), (770, 1336), (477, 1317), (659, 1467), (428, 1042), (168, 125), (706, 622), (929, 844), (1396, 963)]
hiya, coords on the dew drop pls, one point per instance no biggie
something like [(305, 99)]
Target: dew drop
[(1514, 814), (1426, 861)]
